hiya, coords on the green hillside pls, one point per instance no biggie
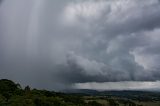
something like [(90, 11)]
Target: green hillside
[(11, 94)]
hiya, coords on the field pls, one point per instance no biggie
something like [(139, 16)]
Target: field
[(109, 101)]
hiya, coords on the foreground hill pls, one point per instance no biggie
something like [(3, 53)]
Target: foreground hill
[(11, 94)]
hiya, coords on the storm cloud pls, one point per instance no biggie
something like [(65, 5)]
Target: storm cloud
[(54, 44)]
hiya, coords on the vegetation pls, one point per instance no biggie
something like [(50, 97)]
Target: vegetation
[(11, 94)]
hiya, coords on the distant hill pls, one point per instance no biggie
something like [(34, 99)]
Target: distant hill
[(108, 92), (83, 91), (130, 94)]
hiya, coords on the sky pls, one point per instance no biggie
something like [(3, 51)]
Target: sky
[(82, 44)]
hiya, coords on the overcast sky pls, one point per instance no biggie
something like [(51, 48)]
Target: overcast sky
[(61, 44)]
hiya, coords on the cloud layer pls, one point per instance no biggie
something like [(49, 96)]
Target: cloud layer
[(54, 44), (126, 85)]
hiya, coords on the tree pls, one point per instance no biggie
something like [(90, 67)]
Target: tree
[(27, 88), (7, 88)]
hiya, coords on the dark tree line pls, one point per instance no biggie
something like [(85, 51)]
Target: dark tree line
[(11, 94)]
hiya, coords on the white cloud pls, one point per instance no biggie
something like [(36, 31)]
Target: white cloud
[(86, 10), (90, 67), (124, 85)]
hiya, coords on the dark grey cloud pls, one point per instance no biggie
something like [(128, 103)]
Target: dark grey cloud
[(0, 1), (54, 44)]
